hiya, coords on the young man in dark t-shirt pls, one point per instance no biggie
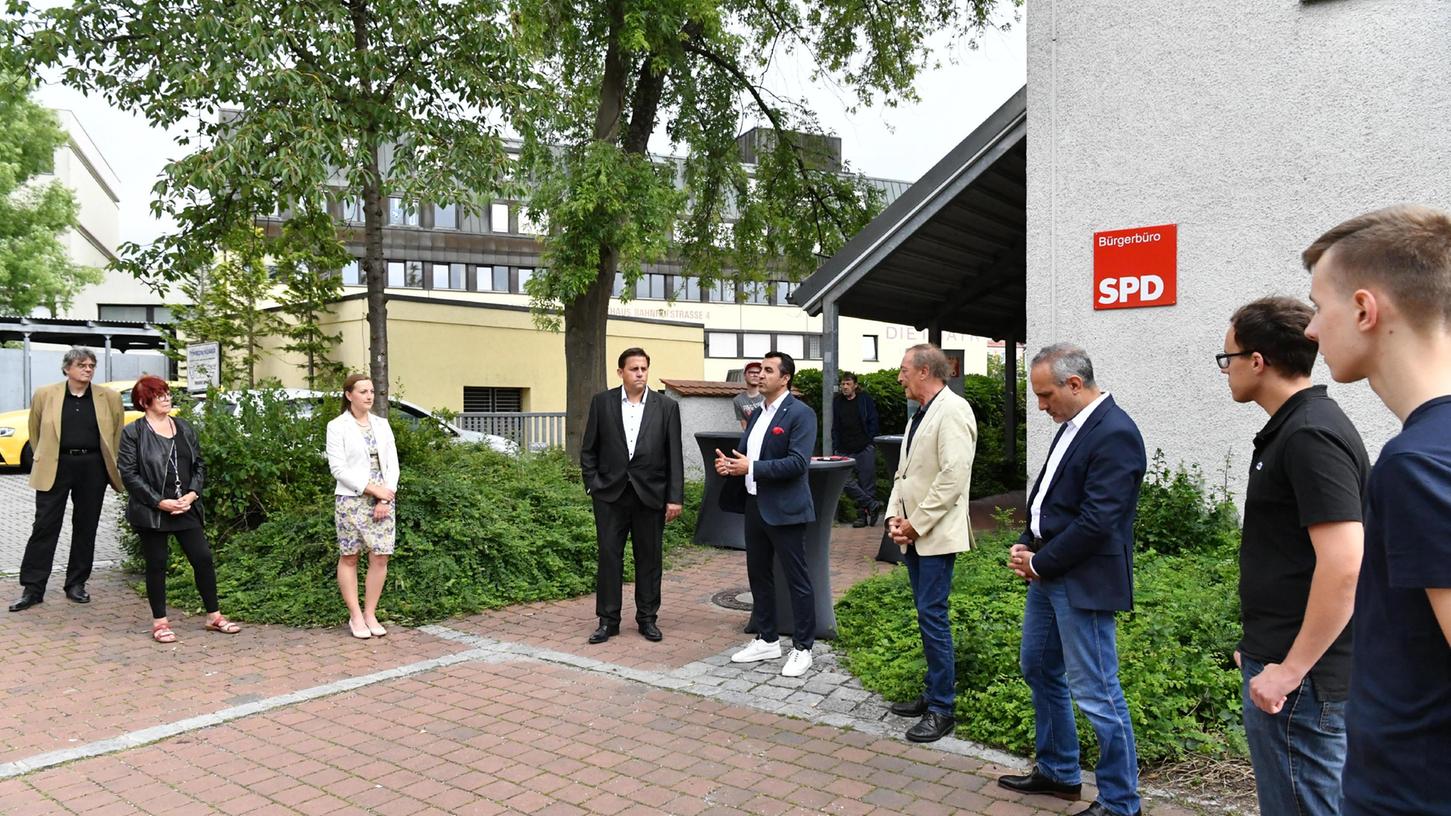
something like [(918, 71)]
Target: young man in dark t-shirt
[(1299, 558), (1381, 284)]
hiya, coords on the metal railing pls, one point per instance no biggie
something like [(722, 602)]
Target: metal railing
[(530, 431)]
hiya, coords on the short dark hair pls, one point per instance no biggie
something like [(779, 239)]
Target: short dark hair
[(1275, 327), (788, 365), (633, 351), (147, 389), (1405, 248), (847, 375)]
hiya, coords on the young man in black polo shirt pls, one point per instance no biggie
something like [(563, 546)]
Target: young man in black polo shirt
[(1381, 284), (1299, 558)]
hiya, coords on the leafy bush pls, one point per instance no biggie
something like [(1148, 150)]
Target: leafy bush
[(1178, 512), (476, 529), (1174, 648)]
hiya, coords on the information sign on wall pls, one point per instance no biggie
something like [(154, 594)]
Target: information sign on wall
[(203, 366), (1134, 268)]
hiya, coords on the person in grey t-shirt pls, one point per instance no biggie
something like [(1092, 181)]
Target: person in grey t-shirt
[(752, 398)]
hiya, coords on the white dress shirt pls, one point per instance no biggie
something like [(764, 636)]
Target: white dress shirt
[(1055, 458), (767, 413), (631, 414)]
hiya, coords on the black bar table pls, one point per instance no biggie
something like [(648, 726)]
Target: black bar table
[(713, 525), (828, 476), (890, 447)]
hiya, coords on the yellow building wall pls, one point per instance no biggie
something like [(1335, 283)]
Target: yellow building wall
[(436, 348)]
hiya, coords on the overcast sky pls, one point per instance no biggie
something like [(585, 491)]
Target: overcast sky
[(890, 142)]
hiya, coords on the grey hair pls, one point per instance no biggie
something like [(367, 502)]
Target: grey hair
[(74, 356), (930, 357), (1066, 360)]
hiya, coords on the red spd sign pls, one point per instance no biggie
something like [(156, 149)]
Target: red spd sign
[(1134, 268)]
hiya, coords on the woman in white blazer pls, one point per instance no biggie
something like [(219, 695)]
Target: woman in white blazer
[(364, 459)]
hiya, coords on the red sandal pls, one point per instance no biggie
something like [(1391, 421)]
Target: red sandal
[(221, 624), (161, 633)]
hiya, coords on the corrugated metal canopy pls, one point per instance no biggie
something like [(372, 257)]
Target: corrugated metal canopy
[(951, 250)]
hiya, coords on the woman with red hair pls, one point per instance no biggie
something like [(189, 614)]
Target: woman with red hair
[(161, 465)]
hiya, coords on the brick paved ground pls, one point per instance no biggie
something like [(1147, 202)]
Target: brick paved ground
[(505, 712), (17, 514)]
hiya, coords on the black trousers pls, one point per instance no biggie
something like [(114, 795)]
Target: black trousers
[(766, 543), (83, 480), (646, 528), (156, 547), (862, 486)]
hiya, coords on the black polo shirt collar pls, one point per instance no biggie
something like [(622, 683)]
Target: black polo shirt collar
[(1294, 402)]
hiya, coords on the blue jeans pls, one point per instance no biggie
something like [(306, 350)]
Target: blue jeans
[(931, 577), (1067, 650), (1298, 753)]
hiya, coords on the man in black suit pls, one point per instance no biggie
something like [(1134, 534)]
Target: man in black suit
[(634, 471)]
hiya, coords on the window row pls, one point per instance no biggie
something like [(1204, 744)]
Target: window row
[(755, 345), (501, 217), (656, 286), (446, 276)]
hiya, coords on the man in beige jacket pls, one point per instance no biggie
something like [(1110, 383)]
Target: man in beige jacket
[(927, 517), (75, 430)]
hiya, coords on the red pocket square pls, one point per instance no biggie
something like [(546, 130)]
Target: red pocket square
[(778, 430)]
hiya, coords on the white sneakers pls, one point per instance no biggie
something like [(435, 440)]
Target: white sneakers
[(796, 663), (756, 650)]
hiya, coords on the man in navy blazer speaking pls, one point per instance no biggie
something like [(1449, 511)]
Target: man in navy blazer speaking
[(1077, 554), (769, 484)]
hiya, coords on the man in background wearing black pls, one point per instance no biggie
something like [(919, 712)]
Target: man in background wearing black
[(854, 426)]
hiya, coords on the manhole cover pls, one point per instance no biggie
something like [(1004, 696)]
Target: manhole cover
[(738, 599)]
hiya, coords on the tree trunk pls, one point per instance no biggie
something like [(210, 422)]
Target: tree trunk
[(377, 275), (374, 269), (585, 321)]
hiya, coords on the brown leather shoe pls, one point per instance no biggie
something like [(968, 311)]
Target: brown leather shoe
[(1035, 781)]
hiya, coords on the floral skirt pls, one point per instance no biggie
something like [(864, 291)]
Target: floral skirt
[(358, 531)]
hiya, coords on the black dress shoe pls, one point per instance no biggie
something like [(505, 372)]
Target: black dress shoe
[(604, 633), (1097, 809), (650, 631), (862, 520), (78, 594), (27, 600), (1035, 781), (911, 708), (932, 728)]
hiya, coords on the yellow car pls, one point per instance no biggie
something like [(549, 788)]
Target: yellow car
[(15, 426)]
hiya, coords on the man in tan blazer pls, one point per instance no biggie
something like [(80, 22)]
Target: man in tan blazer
[(927, 517), (75, 429)]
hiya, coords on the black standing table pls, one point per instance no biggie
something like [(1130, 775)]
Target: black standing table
[(828, 477), (713, 525), (890, 447)]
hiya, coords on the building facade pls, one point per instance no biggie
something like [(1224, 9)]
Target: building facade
[(1254, 128)]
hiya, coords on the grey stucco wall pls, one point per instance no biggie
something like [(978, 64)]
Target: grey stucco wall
[(702, 414), (1255, 127)]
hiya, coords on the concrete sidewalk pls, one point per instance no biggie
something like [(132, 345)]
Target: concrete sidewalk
[(504, 712)]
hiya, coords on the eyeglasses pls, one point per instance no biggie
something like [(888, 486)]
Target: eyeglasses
[(86, 366), (1223, 358)]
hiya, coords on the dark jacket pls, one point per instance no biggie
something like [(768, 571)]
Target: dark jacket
[(866, 409), (144, 462), (783, 487), (657, 470), (1087, 518)]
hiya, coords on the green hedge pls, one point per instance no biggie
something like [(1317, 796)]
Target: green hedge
[(476, 529), (1174, 648)]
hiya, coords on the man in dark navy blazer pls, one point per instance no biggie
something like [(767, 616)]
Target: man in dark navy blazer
[(769, 484), (634, 470), (1077, 554)]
